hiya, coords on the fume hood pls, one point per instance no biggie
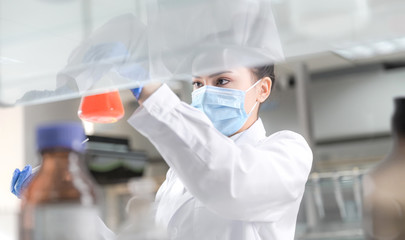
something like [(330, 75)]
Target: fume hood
[(39, 39)]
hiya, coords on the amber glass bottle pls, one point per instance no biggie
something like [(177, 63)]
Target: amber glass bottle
[(60, 203)]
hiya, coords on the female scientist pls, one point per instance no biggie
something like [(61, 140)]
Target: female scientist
[(227, 180)]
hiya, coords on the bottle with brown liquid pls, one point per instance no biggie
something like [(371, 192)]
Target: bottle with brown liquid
[(60, 202)]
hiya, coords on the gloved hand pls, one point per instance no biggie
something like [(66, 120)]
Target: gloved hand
[(137, 92), (20, 180)]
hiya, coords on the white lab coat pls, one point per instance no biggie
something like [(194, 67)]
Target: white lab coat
[(248, 186)]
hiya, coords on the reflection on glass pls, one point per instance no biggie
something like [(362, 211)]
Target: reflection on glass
[(331, 208), (160, 38)]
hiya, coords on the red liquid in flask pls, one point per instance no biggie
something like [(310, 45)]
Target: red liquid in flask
[(101, 108)]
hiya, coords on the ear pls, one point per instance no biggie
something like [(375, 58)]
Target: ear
[(265, 89)]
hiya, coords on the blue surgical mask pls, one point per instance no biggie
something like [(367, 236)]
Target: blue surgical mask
[(223, 106)]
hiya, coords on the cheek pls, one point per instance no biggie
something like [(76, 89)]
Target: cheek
[(250, 100)]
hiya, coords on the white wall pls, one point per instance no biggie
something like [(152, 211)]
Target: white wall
[(11, 157), (279, 112), (354, 104), (344, 107)]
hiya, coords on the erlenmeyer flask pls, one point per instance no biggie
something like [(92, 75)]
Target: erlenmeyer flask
[(101, 108)]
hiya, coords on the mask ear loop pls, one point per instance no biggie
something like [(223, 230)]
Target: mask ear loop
[(251, 110), (257, 82)]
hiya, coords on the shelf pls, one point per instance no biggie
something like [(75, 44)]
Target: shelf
[(354, 234)]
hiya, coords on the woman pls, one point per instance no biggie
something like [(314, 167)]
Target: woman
[(227, 180)]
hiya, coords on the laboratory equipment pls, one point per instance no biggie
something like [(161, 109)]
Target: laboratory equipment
[(357, 189), (339, 196), (21, 179), (106, 107), (111, 161), (318, 196), (102, 108), (140, 224), (60, 202)]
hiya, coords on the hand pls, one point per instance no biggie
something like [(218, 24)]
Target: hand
[(137, 92), (20, 180), (148, 90)]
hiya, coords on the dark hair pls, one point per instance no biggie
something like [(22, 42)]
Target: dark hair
[(265, 71), (398, 119)]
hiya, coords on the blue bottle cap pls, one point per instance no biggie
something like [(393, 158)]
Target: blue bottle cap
[(68, 135)]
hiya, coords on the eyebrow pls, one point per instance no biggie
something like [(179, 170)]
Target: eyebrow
[(213, 75)]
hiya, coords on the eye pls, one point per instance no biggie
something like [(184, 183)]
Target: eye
[(222, 82), (197, 84)]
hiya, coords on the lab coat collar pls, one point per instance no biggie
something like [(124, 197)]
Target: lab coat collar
[(252, 135)]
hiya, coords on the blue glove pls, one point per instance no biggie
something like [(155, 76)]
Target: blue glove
[(20, 180), (137, 92)]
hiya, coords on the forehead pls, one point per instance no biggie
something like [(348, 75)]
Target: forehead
[(213, 61), (240, 72)]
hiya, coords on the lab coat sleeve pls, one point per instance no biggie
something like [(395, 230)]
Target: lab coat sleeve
[(243, 182), (104, 231)]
